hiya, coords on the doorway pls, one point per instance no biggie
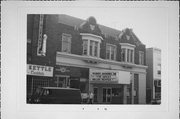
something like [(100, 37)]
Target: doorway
[(107, 94), (95, 92)]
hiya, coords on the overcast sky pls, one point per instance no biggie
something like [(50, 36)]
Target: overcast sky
[(149, 24)]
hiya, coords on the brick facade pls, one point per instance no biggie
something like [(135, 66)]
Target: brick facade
[(54, 31), (54, 26)]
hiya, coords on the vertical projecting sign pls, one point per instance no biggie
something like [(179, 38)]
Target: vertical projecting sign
[(41, 49)]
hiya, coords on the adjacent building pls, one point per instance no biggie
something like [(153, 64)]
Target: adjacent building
[(64, 51), (153, 61)]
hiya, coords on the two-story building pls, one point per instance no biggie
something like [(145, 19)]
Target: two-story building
[(86, 55)]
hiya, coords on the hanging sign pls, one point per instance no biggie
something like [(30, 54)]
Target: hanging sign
[(109, 76), (39, 70)]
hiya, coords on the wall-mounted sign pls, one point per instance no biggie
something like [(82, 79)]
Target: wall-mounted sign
[(39, 70), (63, 69), (110, 76), (68, 70)]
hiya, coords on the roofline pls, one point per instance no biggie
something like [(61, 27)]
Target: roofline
[(83, 20), (154, 48)]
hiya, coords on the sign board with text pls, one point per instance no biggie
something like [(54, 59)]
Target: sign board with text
[(109, 76), (39, 70)]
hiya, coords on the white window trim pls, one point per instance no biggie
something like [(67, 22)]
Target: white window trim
[(141, 62), (127, 46), (92, 37), (68, 35), (110, 58), (84, 48)]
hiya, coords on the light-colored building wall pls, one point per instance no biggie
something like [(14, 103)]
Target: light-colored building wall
[(156, 63), (142, 88), (153, 61)]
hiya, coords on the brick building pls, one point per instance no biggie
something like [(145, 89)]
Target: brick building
[(64, 51)]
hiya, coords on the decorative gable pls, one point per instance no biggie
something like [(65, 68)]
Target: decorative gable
[(127, 36), (90, 26)]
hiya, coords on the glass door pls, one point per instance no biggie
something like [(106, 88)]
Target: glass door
[(95, 92), (107, 94)]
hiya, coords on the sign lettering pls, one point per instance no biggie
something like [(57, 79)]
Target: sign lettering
[(39, 70), (109, 76)]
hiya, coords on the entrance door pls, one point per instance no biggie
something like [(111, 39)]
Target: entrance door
[(107, 93), (95, 92)]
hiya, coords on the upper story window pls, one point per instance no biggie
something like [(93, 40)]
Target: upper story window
[(159, 69), (66, 43), (127, 52), (85, 46), (110, 52), (93, 48), (91, 44), (141, 57)]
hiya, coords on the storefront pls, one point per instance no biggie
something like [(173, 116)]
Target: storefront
[(73, 77), (157, 89), (109, 86), (38, 76)]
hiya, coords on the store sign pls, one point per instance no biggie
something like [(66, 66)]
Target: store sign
[(110, 76), (63, 69), (68, 70), (39, 70)]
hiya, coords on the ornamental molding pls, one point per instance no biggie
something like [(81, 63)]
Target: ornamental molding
[(127, 45), (98, 60), (91, 36)]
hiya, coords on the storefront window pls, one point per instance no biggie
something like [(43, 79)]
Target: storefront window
[(117, 92), (62, 81), (34, 82)]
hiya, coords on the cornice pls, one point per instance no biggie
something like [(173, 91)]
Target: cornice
[(99, 60), (92, 35)]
